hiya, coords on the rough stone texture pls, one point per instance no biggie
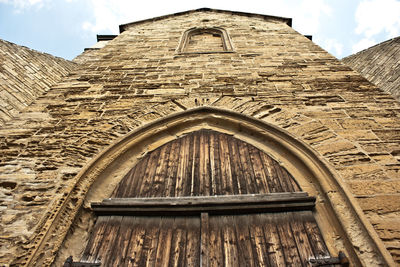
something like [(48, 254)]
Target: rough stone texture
[(26, 74), (275, 74), (88, 53), (380, 64)]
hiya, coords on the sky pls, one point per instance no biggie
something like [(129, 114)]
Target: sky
[(65, 27)]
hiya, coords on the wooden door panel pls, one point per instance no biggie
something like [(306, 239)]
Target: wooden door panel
[(144, 241), (205, 163), (210, 178), (269, 239)]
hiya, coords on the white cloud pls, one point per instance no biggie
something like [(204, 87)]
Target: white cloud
[(333, 46), (109, 14), (363, 44), (308, 15), (378, 16)]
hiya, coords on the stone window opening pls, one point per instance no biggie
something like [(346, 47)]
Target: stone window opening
[(205, 41)]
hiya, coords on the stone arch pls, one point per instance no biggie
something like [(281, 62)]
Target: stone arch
[(337, 213), (220, 33)]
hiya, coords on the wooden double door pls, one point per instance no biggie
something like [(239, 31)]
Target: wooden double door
[(206, 199)]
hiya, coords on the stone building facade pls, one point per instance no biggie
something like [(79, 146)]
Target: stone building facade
[(248, 76)]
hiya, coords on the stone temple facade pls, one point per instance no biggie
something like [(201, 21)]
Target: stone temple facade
[(239, 96)]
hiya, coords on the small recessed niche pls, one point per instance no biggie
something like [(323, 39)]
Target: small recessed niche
[(205, 40)]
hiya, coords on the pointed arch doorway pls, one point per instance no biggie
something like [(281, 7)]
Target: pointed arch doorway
[(206, 199)]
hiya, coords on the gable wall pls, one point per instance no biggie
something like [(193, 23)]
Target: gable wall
[(275, 75), (26, 74), (380, 64)]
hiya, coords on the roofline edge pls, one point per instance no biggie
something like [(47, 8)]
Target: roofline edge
[(123, 27)]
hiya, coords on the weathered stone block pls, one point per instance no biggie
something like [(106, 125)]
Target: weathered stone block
[(373, 187), (380, 204)]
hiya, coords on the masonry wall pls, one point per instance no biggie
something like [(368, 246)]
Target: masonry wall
[(25, 74), (275, 74), (380, 64)]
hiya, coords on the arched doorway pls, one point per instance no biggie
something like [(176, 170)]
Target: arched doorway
[(206, 199), (344, 226)]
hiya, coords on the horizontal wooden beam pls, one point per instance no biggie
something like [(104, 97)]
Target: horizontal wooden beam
[(232, 204)]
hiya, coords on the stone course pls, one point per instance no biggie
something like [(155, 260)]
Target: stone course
[(274, 74), (25, 74)]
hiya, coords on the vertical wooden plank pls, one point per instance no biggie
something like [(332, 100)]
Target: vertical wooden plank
[(274, 249), (183, 165), (193, 242), (287, 241), (183, 242), (204, 243), (237, 168), (247, 168), (229, 241), (173, 163), (147, 180), (190, 167), (216, 253), (314, 235), (207, 160), (231, 164), (213, 190), (243, 237), (292, 184), (301, 238), (226, 173), (289, 180), (216, 167), (222, 159), (130, 183), (201, 168), (233, 184), (134, 250), (147, 224), (278, 172), (258, 240), (110, 235), (164, 241), (125, 183), (129, 226), (195, 162), (151, 242), (272, 175), (161, 171), (205, 173), (133, 189), (259, 174), (100, 228), (178, 244), (119, 249)]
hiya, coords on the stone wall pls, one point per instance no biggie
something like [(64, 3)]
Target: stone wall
[(88, 54), (380, 64), (26, 74), (274, 74)]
